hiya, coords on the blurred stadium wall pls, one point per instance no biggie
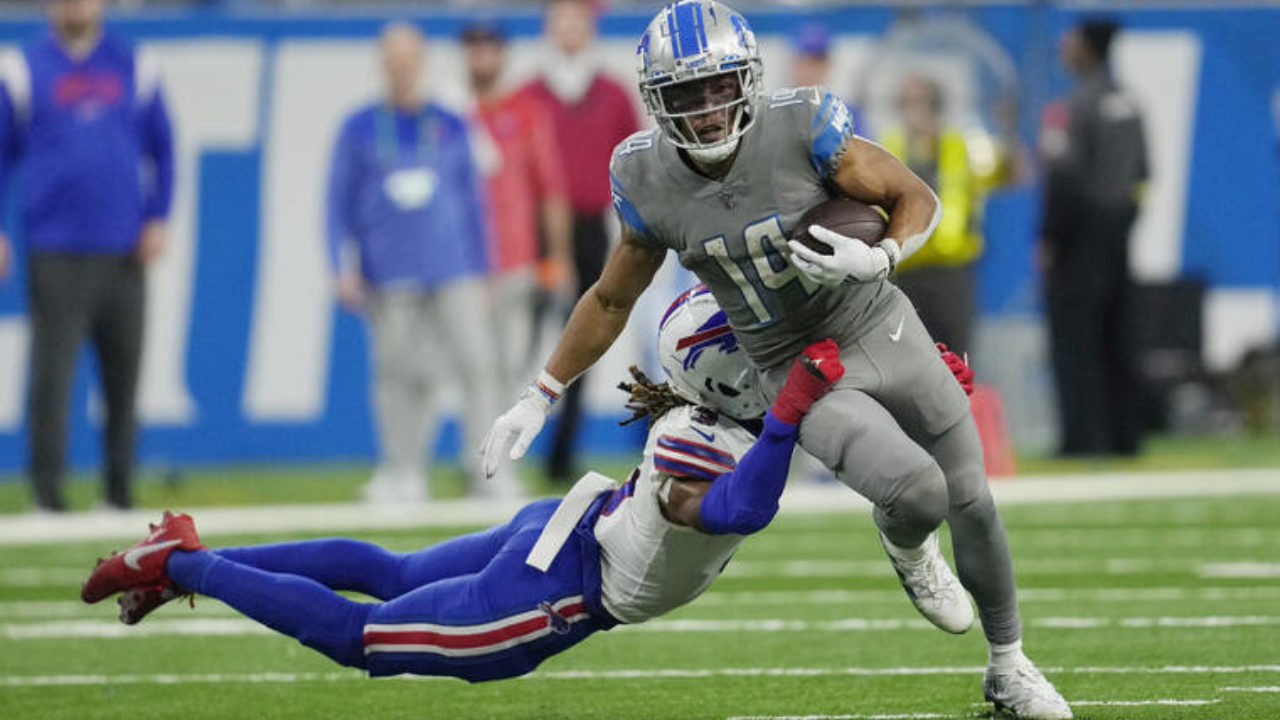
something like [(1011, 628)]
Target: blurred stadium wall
[(248, 359)]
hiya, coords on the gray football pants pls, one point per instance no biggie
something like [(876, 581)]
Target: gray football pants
[(897, 430), (423, 340)]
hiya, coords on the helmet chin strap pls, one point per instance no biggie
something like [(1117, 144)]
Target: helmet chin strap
[(714, 154)]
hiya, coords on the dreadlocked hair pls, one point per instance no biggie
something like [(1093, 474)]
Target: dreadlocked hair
[(647, 398)]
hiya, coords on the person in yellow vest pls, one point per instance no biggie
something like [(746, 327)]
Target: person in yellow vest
[(961, 166)]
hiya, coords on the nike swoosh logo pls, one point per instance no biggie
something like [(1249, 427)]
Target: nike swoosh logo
[(896, 335), (132, 557), (708, 437)]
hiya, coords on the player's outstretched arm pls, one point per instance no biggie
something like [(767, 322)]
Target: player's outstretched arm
[(596, 321), (744, 500)]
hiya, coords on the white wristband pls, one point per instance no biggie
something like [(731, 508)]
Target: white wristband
[(546, 387), (892, 250)]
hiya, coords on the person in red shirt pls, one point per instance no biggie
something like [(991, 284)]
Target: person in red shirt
[(528, 199), (592, 113)]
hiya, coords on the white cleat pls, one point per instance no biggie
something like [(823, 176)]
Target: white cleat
[(1021, 691), (933, 588)]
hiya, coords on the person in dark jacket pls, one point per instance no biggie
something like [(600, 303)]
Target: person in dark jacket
[(1094, 152), (84, 124)]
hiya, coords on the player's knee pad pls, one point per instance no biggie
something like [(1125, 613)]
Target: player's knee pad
[(922, 501), (976, 507)]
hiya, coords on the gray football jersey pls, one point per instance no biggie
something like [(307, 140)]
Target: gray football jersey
[(732, 232)]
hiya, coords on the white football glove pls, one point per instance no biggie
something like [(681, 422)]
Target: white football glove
[(515, 429), (851, 258)]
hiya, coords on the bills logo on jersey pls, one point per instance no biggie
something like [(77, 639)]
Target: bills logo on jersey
[(714, 333), (558, 623)]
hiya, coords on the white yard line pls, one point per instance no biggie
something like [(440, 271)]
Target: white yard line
[(1252, 689), (1025, 595), (234, 626), (874, 716), (1127, 566), (800, 498), (49, 609), (1035, 566), (1142, 703), (621, 674), (1240, 570)]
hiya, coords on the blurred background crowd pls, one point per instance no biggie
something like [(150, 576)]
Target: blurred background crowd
[(343, 231)]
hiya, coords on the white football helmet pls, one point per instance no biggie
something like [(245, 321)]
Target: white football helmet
[(702, 358), (691, 46)]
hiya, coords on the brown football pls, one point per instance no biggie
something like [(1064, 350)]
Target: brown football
[(844, 215)]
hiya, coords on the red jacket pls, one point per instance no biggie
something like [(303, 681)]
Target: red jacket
[(587, 132)]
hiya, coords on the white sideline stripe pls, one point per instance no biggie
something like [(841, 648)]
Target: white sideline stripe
[(68, 629), (875, 716), (62, 629), (1055, 566), (800, 498), (626, 674), (1025, 595), (1141, 703), (50, 609), (74, 576), (43, 576), (1252, 689), (1240, 570)]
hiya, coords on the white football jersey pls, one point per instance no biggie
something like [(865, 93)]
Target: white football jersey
[(649, 565)]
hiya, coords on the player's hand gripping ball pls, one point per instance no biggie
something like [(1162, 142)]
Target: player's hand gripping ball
[(842, 239)]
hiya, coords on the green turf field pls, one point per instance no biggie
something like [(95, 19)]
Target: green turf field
[(1176, 601)]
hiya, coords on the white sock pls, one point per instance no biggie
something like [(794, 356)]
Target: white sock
[(911, 555), (1003, 657)]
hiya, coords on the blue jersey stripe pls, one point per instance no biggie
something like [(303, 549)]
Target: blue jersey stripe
[(675, 467), (627, 212), (705, 452)]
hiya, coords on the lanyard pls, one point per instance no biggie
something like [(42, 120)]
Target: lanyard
[(388, 141)]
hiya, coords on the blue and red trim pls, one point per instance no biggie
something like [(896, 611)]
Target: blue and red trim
[(672, 466), (551, 395), (698, 450), (681, 299)]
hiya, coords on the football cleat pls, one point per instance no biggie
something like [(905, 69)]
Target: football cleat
[(933, 588), (1021, 691), (137, 603), (143, 564)]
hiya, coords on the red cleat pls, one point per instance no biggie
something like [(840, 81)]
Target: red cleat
[(137, 603), (143, 564)]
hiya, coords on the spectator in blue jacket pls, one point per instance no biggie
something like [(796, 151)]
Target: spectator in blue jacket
[(408, 242), (83, 126)]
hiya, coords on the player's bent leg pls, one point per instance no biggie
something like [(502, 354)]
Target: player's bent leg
[(295, 606), (985, 566), (501, 622), (978, 539), (864, 446)]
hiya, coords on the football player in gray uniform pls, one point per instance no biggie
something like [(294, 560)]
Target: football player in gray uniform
[(722, 181)]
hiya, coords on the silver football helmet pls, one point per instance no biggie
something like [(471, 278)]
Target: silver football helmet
[(701, 76), (703, 360)]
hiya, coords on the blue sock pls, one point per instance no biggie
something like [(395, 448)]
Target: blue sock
[(300, 608)]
